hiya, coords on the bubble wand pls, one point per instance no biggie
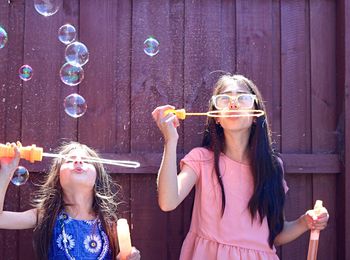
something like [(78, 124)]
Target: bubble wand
[(33, 153), (124, 239), (314, 234), (181, 113)]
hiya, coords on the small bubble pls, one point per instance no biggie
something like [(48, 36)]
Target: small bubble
[(20, 176), (151, 46)]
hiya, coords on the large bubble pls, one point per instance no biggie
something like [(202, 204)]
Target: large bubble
[(3, 37), (75, 105), (151, 46), (67, 33), (20, 176), (47, 7), (77, 54), (25, 72), (71, 75)]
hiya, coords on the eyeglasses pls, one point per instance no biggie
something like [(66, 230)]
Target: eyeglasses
[(223, 101)]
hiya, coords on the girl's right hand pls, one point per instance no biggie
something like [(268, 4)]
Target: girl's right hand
[(8, 165), (166, 123)]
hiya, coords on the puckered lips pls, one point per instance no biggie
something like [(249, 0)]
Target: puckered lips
[(78, 170)]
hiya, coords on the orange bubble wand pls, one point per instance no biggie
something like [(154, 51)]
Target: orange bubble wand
[(33, 153), (314, 234), (182, 114)]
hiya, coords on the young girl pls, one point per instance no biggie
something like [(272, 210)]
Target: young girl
[(75, 210), (240, 188)]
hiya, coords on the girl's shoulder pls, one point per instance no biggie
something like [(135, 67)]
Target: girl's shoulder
[(200, 154)]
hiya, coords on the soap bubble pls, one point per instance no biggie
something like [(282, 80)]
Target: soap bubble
[(71, 75), (77, 54), (20, 176), (47, 7), (3, 37), (66, 33), (75, 105), (151, 46), (25, 72)]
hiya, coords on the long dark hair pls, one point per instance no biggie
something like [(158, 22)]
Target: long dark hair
[(49, 202), (268, 197)]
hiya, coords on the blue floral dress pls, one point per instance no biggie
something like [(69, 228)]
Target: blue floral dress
[(79, 239)]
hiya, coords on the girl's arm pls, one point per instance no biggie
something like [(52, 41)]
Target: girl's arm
[(12, 220), (294, 229), (172, 187)]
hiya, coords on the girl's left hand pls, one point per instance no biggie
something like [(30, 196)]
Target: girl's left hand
[(314, 222), (134, 255)]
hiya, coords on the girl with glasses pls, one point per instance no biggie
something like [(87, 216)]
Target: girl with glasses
[(75, 209), (238, 210)]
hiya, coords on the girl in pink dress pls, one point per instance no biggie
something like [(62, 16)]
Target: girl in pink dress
[(240, 190)]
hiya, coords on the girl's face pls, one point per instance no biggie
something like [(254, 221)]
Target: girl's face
[(238, 92), (75, 173)]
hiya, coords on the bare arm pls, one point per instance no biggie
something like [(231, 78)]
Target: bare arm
[(172, 188), (12, 220), (18, 220), (296, 228)]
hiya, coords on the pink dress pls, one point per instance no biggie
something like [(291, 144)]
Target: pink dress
[(233, 236)]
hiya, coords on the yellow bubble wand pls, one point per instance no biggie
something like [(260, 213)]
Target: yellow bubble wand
[(182, 114)]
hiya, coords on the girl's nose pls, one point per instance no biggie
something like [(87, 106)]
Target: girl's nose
[(78, 160), (233, 105)]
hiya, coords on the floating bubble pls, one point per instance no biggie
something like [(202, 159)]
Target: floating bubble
[(3, 37), (71, 75), (77, 54), (66, 33), (47, 7), (75, 105), (151, 46), (20, 176), (25, 72)]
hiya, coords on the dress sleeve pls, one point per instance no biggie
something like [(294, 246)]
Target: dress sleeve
[(192, 159)]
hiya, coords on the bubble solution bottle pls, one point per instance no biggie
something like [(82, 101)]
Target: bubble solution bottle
[(314, 234)]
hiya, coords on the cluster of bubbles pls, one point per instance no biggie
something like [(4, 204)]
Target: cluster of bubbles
[(76, 55), (71, 73)]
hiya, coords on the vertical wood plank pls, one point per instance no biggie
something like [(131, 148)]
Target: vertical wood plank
[(43, 118), (296, 110), (256, 38), (346, 76), (155, 81), (107, 74), (11, 56), (209, 47), (323, 100)]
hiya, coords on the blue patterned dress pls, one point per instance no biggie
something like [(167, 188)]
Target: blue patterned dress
[(79, 239)]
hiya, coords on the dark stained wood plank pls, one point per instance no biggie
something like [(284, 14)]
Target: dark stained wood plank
[(209, 47), (43, 118), (42, 106), (311, 163), (293, 163), (296, 111), (149, 224), (344, 225), (155, 81), (107, 74), (256, 37), (11, 56), (324, 115)]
